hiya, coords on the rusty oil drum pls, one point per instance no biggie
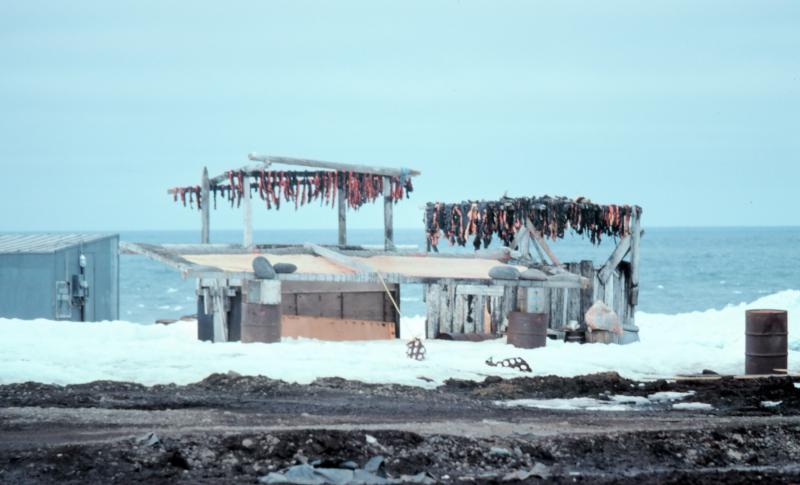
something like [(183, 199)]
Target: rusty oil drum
[(527, 330), (766, 341)]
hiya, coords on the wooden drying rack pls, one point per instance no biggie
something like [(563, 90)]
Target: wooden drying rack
[(251, 171)]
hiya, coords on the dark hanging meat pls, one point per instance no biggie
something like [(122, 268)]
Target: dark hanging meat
[(552, 217)]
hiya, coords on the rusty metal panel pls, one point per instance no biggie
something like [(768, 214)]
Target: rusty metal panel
[(336, 328), (289, 303), (363, 306), (389, 312), (320, 304)]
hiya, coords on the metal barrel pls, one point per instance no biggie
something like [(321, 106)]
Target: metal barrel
[(527, 330), (766, 341)]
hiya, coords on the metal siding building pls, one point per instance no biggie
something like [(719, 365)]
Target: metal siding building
[(41, 276)]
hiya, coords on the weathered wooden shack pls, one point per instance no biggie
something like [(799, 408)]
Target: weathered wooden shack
[(484, 309)]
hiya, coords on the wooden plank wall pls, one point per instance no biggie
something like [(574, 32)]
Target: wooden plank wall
[(460, 309), (467, 308)]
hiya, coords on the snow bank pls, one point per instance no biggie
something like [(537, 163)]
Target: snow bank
[(572, 404), (618, 402), (65, 352)]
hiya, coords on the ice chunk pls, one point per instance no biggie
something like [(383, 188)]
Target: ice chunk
[(692, 406)]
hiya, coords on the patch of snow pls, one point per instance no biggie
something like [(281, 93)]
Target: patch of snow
[(771, 404), (669, 396), (692, 406), (635, 400), (72, 352), (413, 327), (797, 385), (575, 403)]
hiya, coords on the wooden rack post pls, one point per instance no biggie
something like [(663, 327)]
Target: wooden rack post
[(388, 208), (248, 214), (342, 219), (635, 237), (214, 292), (205, 211)]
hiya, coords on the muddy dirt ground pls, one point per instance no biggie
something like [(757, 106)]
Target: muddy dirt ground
[(234, 429)]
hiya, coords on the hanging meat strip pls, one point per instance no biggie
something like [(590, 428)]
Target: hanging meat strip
[(552, 217)]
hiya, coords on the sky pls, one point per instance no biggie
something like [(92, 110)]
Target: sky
[(690, 109)]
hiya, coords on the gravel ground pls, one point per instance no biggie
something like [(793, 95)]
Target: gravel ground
[(234, 429)]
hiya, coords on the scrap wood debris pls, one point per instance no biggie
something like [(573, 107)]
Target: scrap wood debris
[(512, 363), (415, 350), (300, 188), (550, 216)]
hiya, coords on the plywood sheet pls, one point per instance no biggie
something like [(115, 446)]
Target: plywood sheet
[(433, 267), (336, 329), (306, 263)]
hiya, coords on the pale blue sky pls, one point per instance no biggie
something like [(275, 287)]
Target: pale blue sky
[(689, 108)]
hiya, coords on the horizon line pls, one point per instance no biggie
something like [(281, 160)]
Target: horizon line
[(227, 229)]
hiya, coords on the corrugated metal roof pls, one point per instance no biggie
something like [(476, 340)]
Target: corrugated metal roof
[(44, 243)]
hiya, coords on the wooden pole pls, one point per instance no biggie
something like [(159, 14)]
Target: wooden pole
[(344, 167), (342, 219), (538, 250), (635, 237), (542, 243), (613, 261), (339, 258), (248, 214), (220, 317), (205, 211), (388, 208)]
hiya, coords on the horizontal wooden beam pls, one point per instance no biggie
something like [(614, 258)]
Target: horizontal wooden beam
[(169, 258), (345, 167), (339, 258), (393, 278), (248, 169), (479, 290)]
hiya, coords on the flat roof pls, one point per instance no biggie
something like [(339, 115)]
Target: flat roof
[(45, 243), (409, 266)]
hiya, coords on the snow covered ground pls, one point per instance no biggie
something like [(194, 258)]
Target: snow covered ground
[(65, 352)]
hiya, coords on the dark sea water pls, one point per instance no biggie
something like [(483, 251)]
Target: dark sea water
[(683, 269)]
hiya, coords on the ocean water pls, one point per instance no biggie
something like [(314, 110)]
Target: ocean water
[(683, 269)]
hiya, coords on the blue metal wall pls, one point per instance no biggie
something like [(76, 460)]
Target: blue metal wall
[(28, 280)]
